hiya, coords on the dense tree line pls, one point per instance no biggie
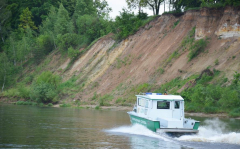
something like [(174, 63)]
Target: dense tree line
[(30, 30), (179, 5)]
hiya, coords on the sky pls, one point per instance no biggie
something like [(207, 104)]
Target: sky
[(117, 6)]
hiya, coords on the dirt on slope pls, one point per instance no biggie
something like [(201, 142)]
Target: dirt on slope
[(138, 58)]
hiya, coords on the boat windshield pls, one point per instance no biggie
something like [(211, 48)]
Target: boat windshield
[(163, 105)]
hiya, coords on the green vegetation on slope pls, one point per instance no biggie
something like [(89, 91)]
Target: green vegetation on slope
[(30, 31)]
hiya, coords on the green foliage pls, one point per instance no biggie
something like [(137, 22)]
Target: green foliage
[(45, 43), (65, 105), (41, 105), (236, 78), (175, 54), (13, 92), (105, 99), (142, 88), (25, 103), (209, 98), (50, 105), (24, 92), (95, 96), (193, 8), (189, 39), (63, 23), (128, 23), (26, 20), (197, 48), (175, 12), (186, 4), (97, 108), (212, 4), (160, 70), (210, 109), (126, 61), (72, 53), (175, 24), (205, 79), (67, 40), (235, 112), (216, 62), (44, 88)]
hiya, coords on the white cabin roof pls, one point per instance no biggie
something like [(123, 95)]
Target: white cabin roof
[(162, 97)]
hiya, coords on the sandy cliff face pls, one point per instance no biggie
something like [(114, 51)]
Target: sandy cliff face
[(139, 58)]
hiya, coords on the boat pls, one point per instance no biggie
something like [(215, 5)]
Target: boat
[(162, 113)]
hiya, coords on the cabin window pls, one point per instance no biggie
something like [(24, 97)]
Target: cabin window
[(177, 105), (143, 102), (163, 105)]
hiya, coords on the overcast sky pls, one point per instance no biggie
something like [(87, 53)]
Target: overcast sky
[(117, 6)]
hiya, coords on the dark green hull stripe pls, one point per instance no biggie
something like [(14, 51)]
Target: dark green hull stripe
[(196, 125), (152, 125)]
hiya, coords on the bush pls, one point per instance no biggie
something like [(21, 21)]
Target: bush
[(97, 107), (128, 23), (50, 104), (45, 43), (95, 96), (72, 53), (210, 109), (13, 92), (44, 88), (212, 4), (65, 105), (235, 112), (216, 62), (67, 40), (41, 105), (104, 100), (26, 103), (197, 48), (191, 108), (24, 92)]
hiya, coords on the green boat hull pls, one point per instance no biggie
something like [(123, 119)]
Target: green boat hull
[(152, 125)]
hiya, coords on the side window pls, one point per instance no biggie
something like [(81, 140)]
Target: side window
[(163, 105), (177, 105), (146, 104)]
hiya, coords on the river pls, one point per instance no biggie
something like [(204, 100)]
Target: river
[(43, 127)]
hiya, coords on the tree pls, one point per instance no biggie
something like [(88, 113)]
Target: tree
[(133, 4), (62, 21), (4, 17), (102, 8), (153, 4), (4, 65), (26, 20), (84, 7), (185, 4)]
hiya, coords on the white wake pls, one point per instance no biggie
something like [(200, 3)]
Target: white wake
[(137, 129), (214, 131)]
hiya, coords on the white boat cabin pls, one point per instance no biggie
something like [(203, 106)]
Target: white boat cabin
[(169, 109)]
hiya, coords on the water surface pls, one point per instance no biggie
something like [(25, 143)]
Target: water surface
[(36, 127)]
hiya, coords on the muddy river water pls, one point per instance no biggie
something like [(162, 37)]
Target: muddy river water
[(36, 127)]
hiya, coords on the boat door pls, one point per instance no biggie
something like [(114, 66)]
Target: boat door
[(177, 109)]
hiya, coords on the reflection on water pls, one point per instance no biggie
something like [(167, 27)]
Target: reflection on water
[(34, 127)]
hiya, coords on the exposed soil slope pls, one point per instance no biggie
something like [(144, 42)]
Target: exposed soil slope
[(139, 58)]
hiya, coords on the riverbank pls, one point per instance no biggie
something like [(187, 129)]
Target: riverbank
[(125, 108)]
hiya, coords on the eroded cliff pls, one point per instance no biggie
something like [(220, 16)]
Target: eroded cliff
[(148, 56)]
